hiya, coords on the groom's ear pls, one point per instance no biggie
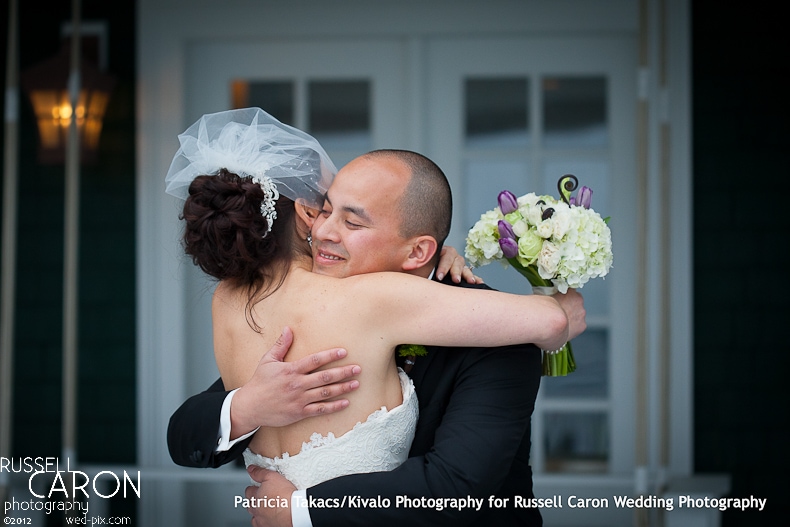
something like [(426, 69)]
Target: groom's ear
[(423, 249)]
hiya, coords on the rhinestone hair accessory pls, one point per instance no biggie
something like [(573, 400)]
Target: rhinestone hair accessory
[(250, 142), (269, 201)]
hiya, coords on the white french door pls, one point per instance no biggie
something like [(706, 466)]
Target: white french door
[(517, 114)]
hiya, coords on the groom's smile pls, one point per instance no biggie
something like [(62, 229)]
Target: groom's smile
[(323, 257)]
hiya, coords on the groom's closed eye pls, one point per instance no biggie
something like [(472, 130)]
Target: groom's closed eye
[(361, 217), (349, 210)]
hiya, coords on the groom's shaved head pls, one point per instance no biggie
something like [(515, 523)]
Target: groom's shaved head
[(426, 205), (380, 212)]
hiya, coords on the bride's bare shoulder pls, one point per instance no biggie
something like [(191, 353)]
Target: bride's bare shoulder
[(225, 293), (228, 301)]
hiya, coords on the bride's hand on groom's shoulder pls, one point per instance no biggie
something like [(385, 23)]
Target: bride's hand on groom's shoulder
[(452, 263), (281, 393)]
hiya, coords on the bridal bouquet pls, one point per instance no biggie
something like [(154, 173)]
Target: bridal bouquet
[(553, 243)]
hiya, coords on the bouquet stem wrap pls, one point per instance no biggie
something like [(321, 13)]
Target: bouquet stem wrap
[(559, 363)]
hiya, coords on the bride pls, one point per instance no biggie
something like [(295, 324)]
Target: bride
[(254, 188)]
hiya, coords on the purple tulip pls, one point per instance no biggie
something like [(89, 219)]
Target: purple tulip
[(509, 247), (507, 202), (505, 230), (583, 198)]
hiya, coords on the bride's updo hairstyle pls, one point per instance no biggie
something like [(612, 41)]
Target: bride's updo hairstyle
[(227, 236), (241, 172)]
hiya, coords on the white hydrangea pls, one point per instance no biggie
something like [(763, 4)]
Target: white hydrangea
[(482, 243), (577, 242)]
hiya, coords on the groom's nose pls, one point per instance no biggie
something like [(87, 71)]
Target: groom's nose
[(325, 228)]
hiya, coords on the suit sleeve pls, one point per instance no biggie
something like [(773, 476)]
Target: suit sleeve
[(193, 429), (475, 444)]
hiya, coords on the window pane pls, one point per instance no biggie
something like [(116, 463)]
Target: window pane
[(339, 114), (274, 97), (574, 112), (576, 442), (497, 112), (591, 378), (486, 178)]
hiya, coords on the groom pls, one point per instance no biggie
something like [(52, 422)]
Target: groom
[(473, 435)]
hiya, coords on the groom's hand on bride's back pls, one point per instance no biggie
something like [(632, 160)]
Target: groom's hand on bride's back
[(280, 393), (274, 491)]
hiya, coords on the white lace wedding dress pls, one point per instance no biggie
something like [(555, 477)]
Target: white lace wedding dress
[(380, 443)]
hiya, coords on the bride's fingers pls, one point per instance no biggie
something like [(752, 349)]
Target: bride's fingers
[(458, 270), (469, 276), (443, 267), (449, 261)]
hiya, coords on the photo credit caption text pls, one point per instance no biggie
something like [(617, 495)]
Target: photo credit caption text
[(471, 503)]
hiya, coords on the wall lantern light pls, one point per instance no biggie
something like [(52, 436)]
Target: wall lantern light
[(46, 85)]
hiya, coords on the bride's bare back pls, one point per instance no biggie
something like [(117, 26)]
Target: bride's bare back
[(317, 309)]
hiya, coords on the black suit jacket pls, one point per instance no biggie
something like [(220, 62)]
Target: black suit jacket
[(472, 439)]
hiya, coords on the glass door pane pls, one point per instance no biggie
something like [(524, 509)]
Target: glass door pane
[(274, 97), (497, 112), (576, 442), (339, 117), (574, 112)]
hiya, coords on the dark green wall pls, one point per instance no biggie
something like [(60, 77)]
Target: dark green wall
[(106, 430), (106, 345), (740, 145)]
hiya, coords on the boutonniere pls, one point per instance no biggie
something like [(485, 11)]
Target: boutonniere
[(410, 352)]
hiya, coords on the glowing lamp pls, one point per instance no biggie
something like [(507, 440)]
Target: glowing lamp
[(46, 85)]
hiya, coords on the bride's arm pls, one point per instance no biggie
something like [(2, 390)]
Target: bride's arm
[(407, 309)]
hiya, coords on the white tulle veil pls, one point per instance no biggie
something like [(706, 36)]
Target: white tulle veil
[(250, 142)]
